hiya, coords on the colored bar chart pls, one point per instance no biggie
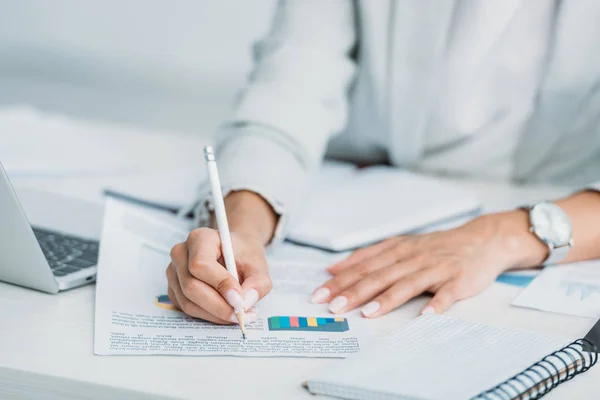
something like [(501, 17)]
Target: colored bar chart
[(163, 301), (287, 323)]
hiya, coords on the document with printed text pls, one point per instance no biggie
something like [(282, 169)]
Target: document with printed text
[(135, 316)]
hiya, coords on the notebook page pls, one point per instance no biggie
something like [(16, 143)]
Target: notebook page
[(437, 357)]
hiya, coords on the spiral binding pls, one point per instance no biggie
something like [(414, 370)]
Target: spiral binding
[(543, 376)]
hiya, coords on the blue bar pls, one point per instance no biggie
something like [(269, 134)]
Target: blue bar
[(330, 320), (302, 322), (515, 280), (284, 322), (321, 321)]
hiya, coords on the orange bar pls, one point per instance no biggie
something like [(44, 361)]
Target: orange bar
[(294, 322)]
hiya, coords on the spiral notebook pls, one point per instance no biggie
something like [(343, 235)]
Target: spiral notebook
[(437, 357)]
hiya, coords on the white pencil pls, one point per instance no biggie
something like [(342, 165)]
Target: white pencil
[(223, 225)]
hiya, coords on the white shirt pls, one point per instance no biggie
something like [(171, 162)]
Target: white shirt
[(487, 65), (495, 88)]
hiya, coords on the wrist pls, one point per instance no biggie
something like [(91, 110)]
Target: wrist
[(249, 214), (515, 240)]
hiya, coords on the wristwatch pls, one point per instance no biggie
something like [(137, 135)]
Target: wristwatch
[(553, 227)]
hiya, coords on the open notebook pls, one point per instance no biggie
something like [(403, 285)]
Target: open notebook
[(348, 207), (437, 357)]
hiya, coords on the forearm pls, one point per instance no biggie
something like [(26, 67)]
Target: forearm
[(512, 229), (250, 214), (584, 211)]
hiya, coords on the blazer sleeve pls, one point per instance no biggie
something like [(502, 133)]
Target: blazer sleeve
[(294, 100), (594, 186)]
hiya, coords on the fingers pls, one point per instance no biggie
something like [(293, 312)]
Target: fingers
[(203, 251), (197, 277), (171, 293), (204, 295), (400, 292), (361, 255), (256, 281), (372, 285), (184, 304), (444, 298), (179, 300), (352, 275), (459, 288)]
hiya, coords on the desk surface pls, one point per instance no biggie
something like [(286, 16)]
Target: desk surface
[(46, 342)]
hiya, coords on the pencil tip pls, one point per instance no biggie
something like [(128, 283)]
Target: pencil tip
[(244, 336)]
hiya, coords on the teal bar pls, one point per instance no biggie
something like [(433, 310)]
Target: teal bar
[(274, 323)]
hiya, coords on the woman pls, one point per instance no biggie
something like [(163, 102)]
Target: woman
[(500, 89)]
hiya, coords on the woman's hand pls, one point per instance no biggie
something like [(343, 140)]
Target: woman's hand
[(199, 283), (453, 264)]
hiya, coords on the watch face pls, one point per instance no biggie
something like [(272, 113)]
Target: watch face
[(551, 224)]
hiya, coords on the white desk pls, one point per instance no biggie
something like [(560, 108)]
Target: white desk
[(46, 341)]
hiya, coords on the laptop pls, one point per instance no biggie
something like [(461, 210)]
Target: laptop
[(48, 242)]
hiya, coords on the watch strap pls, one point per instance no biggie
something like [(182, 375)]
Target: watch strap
[(557, 254)]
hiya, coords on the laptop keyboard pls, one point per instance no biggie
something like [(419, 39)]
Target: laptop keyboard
[(66, 254)]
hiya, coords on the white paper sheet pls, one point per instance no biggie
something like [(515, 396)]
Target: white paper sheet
[(132, 318), (568, 289)]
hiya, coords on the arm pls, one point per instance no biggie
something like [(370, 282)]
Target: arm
[(295, 99), (584, 211), (453, 264), (249, 214)]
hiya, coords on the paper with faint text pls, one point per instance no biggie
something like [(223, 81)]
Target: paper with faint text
[(567, 289), (134, 314)]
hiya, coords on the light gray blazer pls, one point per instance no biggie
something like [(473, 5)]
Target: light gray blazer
[(328, 68)]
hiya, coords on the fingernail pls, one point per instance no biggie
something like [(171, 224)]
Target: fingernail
[(428, 310), (338, 304), (235, 300), (250, 299), (370, 309), (320, 296)]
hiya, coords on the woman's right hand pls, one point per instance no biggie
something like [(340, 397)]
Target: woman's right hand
[(200, 285)]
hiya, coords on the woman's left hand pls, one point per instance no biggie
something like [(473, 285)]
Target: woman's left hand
[(453, 264)]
